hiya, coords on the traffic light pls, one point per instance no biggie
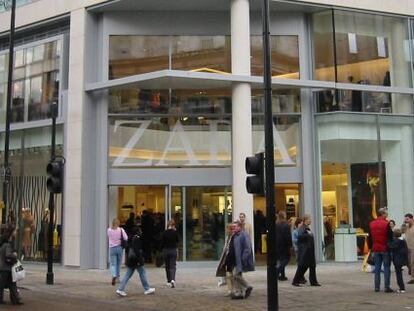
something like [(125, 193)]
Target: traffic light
[(54, 181), (255, 166)]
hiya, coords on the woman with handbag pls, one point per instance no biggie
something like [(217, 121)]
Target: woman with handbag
[(117, 240), (135, 260), (8, 257)]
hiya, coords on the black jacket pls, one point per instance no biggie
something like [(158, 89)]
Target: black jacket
[(7, 256), (399, 251), (135, 258), (306, 248), (283, 240)]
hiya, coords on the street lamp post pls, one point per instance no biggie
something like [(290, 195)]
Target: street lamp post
[(7, 170), (272, 286)]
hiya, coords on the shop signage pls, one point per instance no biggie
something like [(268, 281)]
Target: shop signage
[(179, 134)]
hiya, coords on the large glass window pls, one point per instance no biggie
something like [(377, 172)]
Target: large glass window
[(363, 101), (170, 128), (365, 48), (28, 197), (131, 55), (36, 81), (363, 167), (286, 125), (284, 53)]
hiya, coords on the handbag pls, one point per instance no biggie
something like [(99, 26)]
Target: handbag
[(124, 243), (18, 272), (370, 259)]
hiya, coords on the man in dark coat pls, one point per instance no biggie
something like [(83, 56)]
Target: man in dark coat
[(283, 244), (240, 250), (306, 254)]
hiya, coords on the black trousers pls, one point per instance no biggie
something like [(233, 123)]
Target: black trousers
[(6, 281), (399, 276), (170, 257), (300, 274)]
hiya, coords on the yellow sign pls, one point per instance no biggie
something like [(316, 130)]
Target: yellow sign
[(264, 243)]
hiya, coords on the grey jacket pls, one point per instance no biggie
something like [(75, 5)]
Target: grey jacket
[(243, 251), (7, 257)]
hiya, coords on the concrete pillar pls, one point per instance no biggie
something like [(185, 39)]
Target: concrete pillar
[(241, 107), (73, 141)]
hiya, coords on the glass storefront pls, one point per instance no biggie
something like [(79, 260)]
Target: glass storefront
[(360, 172), (28, 197), (200, 214)]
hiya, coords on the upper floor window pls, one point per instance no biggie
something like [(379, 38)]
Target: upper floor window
[(36, 79), (5, 5)]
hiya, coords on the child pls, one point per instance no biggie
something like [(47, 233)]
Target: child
[(398, 247)]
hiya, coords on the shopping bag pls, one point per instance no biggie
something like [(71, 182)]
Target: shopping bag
[(18, 272)]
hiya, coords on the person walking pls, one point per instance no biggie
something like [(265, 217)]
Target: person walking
[(8, 257), (409, 237), (135, 261), (398, 247), (241, 257), (225, 271), (169, 243), (305, 255), (283, 245), (115, 237), (245, 225), (379, 235)]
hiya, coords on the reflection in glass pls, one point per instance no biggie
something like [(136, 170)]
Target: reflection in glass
[(170, 141), (206, 209), (284, 54), (283, 101), (131, 55), (286, 138), (36, 85), (323, 46), (363, 101), (201, 53)]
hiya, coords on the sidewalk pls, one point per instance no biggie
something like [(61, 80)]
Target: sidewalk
[(344, 287)]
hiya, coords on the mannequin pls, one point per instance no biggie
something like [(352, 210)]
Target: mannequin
[(28, 230)]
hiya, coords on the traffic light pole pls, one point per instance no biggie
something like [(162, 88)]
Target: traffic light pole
[(7, 172), (272, 290), (50, 275)]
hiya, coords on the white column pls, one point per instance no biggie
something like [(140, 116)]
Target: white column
[(73, 141), (241, 107)]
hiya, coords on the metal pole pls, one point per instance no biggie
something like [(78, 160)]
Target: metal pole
[(50, 275), (7, 171), (272, 291)]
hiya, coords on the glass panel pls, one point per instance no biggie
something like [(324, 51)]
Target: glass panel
[(362, 101), (205, 210), (323, 46), (287, 198), (145, 206), (28, 181), (372, 49), (36, 77), (284, 53), (170, 141), (201, 53), (177, 211), (132, 55), (351, 173), (17, 109), (283, 101)]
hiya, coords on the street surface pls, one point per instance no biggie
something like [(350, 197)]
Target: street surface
[(344, 287)]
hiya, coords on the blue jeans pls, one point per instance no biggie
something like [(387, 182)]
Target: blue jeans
[(382, 259), (129, 272), (115, 260)]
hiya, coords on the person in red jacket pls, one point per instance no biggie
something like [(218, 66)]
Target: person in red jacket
[(380, 234)]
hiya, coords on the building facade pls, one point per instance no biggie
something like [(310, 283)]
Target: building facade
[(160, 102)]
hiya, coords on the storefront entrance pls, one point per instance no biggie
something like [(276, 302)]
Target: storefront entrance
[(200, 214)]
